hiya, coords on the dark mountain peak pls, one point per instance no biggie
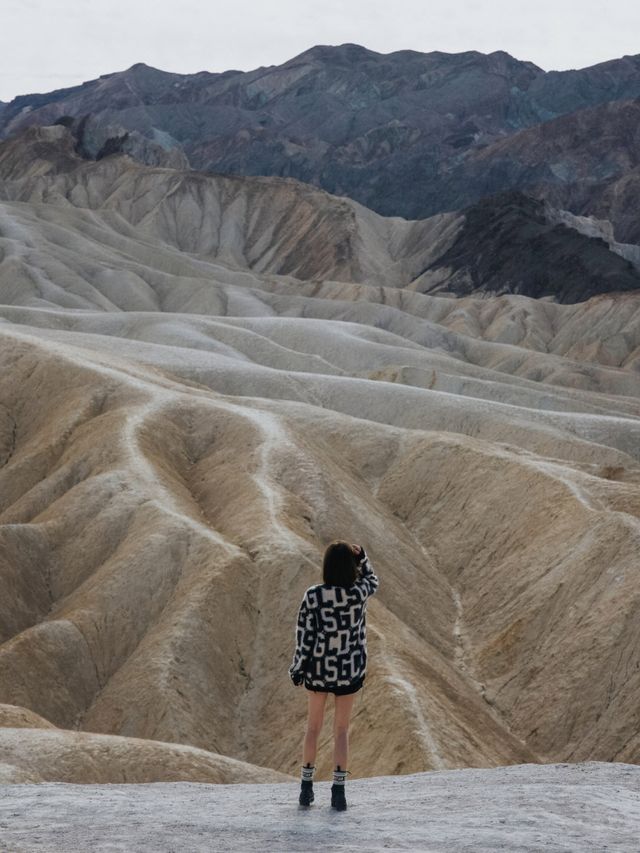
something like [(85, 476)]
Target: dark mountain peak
[(353, 54), (138, 69), (619, 66), (142, 71), (341, 54), (510, 61), (629, 61), (405, 133), (456, 55)]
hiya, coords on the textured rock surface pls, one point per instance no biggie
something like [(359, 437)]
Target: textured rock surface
[(512, 243), (19, 718), (386, 130), (587, 161), (180, 435), (555, 808), (34, 755), (509, 243), (267, 224)]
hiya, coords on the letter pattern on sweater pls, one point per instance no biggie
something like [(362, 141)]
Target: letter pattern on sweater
[(331, 632)]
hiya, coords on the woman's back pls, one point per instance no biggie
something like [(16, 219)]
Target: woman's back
[(331, 655), (331, 644)]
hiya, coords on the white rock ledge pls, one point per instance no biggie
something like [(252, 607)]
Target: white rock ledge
[(554, 807)]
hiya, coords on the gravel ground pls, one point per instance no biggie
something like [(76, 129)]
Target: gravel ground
[(554, 807)]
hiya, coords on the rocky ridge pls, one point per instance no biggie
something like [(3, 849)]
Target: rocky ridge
[(508, 243), (393, 132)]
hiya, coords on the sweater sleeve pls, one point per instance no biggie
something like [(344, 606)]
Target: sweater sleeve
[(368, 580), (304, 637)]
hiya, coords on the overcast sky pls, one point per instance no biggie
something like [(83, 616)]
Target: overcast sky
[(49, 44)]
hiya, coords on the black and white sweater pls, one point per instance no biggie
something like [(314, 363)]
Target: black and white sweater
[(331, 632)]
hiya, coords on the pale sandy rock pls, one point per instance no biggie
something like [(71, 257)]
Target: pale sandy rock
[(21, 718), (81, 758), (157, 512), (557, 808), (53, 258), (270, 225), (12, 775)]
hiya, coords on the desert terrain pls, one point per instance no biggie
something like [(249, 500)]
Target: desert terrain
[(204, 380)]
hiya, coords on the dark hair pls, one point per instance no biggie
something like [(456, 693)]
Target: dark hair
[(339, 567)]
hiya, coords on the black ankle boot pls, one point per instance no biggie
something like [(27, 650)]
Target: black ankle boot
[(306, 793), (338, 798)]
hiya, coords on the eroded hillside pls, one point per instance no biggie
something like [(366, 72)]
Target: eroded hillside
[(183, 427)]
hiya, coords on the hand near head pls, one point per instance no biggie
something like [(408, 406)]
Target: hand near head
[(358, 552)]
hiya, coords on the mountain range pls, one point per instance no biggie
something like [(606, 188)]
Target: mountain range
[(508, 243), (406, 134)]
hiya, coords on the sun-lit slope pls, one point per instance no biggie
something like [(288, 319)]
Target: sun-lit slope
[(354, 369)]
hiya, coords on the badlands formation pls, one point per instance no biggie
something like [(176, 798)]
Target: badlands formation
[(204, 380), (406, 133)]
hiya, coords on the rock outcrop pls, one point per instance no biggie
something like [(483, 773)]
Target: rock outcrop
[(39, 754), (587, 161)]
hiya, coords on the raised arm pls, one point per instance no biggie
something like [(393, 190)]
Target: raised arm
[(305, 635), (368, 580)]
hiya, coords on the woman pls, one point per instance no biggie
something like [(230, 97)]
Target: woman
[(331, 655)]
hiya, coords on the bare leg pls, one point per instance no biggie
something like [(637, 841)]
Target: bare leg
[(343, 707), (317, 702)]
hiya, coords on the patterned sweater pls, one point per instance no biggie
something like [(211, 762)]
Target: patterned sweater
[(331, 640)]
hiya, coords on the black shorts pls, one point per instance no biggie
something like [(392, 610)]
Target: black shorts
[(341, 690)]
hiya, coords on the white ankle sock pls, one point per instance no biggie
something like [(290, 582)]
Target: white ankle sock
[(307, 772), (339, 776)]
